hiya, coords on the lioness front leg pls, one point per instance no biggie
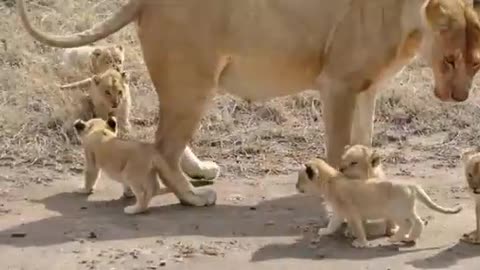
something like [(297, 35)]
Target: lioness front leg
[(123, 114), (196, 168), (338, 103), (474, 236)]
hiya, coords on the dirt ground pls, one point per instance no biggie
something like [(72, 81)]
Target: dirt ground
[(256, 224), (259, 222)]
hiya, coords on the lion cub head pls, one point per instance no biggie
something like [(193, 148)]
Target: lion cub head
[(104, 58), (471, 162), (95, 126), (314, 175), (360, 162), (111, 88)]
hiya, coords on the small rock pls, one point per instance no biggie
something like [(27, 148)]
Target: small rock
[(83, 208), (163, 263), (18, 235), (270, 223), (160, 241), (253, 208), (92, 235), (178, 259)]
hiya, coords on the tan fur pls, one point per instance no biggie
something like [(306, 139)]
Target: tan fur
[(356, 200), (126, 161), (362, 162), (471, 162), (95, 59), (264, 49), (110, 96)]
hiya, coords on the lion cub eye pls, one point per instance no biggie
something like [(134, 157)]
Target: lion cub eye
[(470, 175), (353, 163), (449, 61), (476, 65), (107, 93)]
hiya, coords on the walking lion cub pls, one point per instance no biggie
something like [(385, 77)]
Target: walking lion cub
[(357, 200), (126, 161)]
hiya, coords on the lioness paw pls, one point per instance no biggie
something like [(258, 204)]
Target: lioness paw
[(208, 170)]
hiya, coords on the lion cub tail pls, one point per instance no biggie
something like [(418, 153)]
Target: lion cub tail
[(422, 196), (82, 83)]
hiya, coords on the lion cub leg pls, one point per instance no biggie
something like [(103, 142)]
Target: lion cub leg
[(92, 173), (404, 227), (146, 187), (127, 191), (355, 222), (417, 229), (334, 224)]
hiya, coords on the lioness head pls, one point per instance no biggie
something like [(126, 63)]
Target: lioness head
[(104, 58), (453, 48), (471, 161), (314, 173), (359, 161), (95, 125), (111, 87)]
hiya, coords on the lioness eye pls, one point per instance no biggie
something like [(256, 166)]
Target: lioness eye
[(470, 175)]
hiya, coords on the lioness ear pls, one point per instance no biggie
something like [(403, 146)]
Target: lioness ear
[(375, 161), (437, 15), (79, 125), (112, 123), (311, 172)]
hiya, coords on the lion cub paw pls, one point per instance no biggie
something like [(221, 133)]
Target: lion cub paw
[(471, 238), (133, 209), (84, 190), (359, 243)]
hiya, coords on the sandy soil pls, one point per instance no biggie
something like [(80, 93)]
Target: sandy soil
[(257, 224)]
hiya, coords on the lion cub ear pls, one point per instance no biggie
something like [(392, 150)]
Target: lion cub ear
[(97, 52), (375, 159), (96, 79), (310, 171), (112, 123), (467, 154), (119, 47), (346, 147), (124, 75), (79, 125)]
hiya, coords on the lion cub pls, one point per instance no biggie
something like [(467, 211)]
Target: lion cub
[(125, 161), (357, 200), (362, 162), (95, 59), (471, 161), (110, 96)]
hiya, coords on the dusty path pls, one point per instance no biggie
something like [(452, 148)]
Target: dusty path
[(260, 224)]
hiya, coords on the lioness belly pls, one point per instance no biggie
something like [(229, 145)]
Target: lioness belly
[(262, 78)]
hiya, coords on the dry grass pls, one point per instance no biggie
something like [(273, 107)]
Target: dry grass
[(247, 139)]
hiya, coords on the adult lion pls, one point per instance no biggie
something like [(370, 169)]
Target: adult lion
[(264, 49)]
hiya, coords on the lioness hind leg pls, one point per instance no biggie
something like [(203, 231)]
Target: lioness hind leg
[(196, 168)]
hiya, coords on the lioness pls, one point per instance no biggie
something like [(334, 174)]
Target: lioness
[(260, 49), (362, 162), (128, 162), (471, 161), (355, 200)]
